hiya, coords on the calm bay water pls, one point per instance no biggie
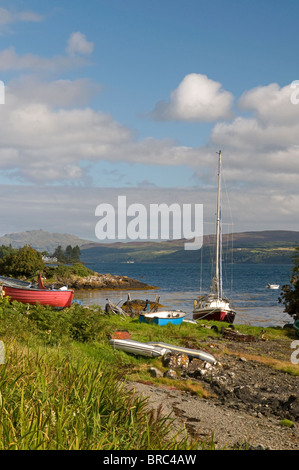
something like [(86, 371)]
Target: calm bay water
[(179, 284)]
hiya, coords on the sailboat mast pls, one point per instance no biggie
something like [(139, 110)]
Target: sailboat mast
[(218, 247)]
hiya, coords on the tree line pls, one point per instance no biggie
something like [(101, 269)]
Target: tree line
[(68, 255), (28, 262)]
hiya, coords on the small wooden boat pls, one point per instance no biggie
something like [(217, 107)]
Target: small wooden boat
[(61, 298), (194, 353), (175, 317), (138, 348)]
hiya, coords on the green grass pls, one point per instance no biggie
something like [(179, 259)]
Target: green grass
[(286, 423), (50, 403), (62, 386)]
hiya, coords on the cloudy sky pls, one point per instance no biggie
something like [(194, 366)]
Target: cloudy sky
[(110, 97)]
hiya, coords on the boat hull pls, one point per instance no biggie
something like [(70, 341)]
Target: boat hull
[(162, 318), (273, 286), (213, 308), (53, 298), (138, 348), (193, 353), (227, 316)]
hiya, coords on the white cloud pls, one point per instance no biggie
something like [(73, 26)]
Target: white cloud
[(9, 17), (12, 16), (10, 60), (78, 44), (262, 149), (77, 47), (271, 104), (30, 16), (56, 93), (49, 135), (41, 140), (197, 98)]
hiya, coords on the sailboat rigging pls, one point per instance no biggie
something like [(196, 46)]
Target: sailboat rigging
[(214, 306)]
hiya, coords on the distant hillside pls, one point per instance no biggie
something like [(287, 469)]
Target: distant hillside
[(270, 246), (41, 240)]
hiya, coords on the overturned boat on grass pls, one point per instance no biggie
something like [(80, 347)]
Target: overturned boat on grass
[(138, 348), (122, 341)]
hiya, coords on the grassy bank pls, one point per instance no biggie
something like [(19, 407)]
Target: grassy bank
[(62, 387), (62, 384), (52, 401)]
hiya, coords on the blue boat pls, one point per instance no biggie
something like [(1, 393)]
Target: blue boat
[(164, 317)]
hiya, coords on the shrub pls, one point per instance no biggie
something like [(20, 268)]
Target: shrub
[(22, 262), (290, 292)]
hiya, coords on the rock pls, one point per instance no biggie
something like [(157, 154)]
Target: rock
[(170, 374), (175, 361), (155, 372), (292, 407), (102, 281)]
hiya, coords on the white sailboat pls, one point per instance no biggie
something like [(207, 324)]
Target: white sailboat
[(214, 306)]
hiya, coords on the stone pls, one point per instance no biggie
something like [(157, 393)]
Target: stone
[(175, 361), (170, 374), (155, 372)]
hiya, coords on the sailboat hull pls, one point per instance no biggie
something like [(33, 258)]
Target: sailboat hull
[(227, 316), (213, 308)]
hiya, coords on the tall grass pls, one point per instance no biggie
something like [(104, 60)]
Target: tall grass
[(50, 403), (62, 386)]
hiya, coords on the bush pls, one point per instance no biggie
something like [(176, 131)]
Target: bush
[(63, 273), (50, 325), (290, 292), (22, 262)]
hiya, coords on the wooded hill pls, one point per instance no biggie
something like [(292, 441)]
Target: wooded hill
[(273, 247)]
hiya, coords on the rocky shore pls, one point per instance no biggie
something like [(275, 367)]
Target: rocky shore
[(248, 403), (102, 281)]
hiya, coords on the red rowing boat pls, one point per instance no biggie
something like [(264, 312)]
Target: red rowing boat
[(29, 295)]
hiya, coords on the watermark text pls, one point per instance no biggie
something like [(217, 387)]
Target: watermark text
[(158, 222), (295, 354), (295, 93)]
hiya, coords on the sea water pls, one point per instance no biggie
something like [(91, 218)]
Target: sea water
[(179, 284)]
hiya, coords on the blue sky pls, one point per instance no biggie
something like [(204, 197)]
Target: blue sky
[(108, 97)]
